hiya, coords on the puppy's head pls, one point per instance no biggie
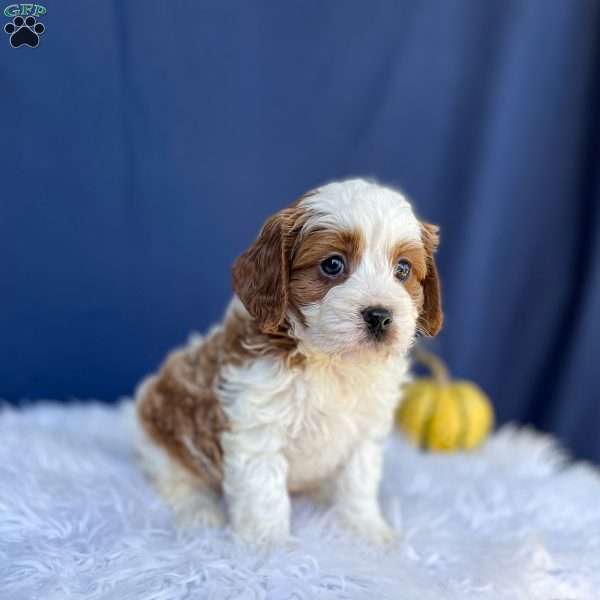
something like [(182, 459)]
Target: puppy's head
[(346, 268)]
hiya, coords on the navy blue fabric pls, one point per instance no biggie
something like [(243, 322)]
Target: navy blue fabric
[(143, 144)]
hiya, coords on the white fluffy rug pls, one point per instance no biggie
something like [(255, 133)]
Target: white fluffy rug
[(77, 520)]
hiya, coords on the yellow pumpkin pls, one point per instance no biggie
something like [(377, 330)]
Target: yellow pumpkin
[(443, 415)]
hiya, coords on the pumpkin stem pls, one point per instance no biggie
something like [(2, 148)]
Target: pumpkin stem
[(434, 364)]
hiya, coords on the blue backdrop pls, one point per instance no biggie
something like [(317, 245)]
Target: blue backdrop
[(143, 144)]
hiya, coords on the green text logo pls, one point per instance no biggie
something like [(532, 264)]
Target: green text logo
[(23, 10)]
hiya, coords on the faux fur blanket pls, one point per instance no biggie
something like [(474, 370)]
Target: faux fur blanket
[(78, 520)]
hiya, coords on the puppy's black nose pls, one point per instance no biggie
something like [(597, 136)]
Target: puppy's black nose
[(378, 319)]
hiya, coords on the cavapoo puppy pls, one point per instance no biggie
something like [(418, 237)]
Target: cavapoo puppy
[(295, 391)]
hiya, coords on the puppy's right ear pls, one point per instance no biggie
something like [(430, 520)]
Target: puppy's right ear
[(261, 274)]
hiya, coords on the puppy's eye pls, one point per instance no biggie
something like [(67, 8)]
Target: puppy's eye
[(403, 269), (333, 266)]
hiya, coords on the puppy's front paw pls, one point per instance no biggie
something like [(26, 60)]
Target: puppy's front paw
[(375, 530), (263, 536), (380, 535)]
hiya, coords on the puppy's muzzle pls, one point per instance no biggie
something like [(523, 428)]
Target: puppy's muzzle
[(378, 321)]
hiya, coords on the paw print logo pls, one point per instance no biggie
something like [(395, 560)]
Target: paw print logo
[(24, 31)]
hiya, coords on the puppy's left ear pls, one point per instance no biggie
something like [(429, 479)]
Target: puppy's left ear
[(432, 316), (261, 273)]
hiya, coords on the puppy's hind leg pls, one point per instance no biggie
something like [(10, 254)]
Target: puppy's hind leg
[(193, 502)]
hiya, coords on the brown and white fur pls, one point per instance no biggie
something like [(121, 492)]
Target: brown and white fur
[(291, 392)]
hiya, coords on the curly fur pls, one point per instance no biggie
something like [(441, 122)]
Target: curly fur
[(293, 392)]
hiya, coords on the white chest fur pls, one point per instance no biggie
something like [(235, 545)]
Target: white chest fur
[(314, 415)]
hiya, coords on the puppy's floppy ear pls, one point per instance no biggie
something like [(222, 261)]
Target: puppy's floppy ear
[(261, 274), (431, 317)]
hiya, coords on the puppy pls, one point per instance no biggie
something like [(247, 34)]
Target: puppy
[(295, 391)]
